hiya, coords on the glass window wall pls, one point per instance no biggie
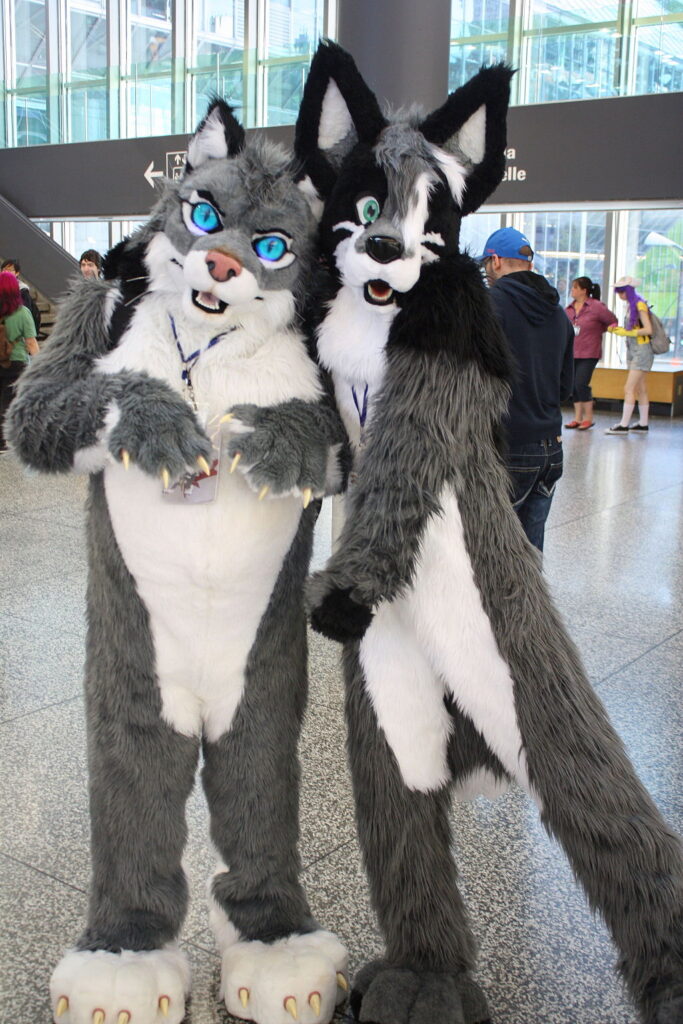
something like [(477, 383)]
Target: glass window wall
[(27, 74), (217, 64), (86, 71), (571, 51), (150, 67)]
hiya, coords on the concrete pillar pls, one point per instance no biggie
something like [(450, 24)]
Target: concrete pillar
[(400, 46)]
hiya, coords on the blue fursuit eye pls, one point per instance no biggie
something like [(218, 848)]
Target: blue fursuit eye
[(270, 247), (205, 217)]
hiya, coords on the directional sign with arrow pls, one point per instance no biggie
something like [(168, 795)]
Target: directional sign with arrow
[(150, 174)]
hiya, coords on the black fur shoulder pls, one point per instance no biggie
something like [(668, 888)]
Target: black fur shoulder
[(449, 309), (124, 264)]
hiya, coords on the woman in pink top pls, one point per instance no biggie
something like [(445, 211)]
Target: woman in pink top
[(590, 318)]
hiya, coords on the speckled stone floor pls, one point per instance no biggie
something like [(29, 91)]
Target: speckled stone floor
[(614, 559)]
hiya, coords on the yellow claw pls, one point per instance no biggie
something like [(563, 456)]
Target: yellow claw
[(229, 416), (166, 478), (98, 1017), (308, 494), (164, 1003), (123, 1017), (262, 493), (62, 1006), (125, 458), (244, 996), (290, 1007), (342, 982), (233, 464), (314, 1002), (204, 465)]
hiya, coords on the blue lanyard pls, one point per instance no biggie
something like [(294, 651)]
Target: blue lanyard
[(361, 410), (189, 362)]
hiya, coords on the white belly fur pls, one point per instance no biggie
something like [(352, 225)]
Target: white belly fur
[(437, 639), (206, 572)]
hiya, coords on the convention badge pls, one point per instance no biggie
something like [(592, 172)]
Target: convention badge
[(201, 487), (577, 329)]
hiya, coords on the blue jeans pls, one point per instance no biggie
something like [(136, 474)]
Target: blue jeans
[(534, 470)]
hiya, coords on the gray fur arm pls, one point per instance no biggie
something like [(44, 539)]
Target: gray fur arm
[(291, 447), (408, 456), (419, 440), (64, 408)]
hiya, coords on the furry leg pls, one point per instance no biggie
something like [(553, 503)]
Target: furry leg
[(621, 850), (504, 655), (141, 773), (405, 840), (271, 945)]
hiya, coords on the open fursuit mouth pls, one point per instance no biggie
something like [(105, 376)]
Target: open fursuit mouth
[(379, 293), (208, 303)]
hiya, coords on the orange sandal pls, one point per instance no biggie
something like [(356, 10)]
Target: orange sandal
[(573, 425), (585, 425)]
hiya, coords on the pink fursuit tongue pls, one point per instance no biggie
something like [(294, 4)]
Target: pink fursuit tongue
[(208, 300)]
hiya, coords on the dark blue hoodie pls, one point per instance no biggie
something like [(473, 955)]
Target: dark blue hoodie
[(542, 343)]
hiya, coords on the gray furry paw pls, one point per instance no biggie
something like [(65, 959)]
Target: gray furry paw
[(383, 994), (157, 431), (282, 449)]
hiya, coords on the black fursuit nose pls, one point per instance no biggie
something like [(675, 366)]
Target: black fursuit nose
[(383, 249)]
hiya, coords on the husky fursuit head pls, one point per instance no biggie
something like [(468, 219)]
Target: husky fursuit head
[(183, 385), (458, 668)]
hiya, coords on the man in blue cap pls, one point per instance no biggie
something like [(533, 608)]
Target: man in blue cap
[(541, 339)]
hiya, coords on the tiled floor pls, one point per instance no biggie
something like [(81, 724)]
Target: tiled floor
[(614, 558)]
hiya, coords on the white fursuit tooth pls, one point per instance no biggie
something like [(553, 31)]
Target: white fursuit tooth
[(116, 982), (295, 967)]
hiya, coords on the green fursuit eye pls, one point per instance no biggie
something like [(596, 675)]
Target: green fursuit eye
[(205, 217), (270, 247), (368, 209)]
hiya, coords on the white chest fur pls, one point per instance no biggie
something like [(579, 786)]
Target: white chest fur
[(205, 572), (352, 345)]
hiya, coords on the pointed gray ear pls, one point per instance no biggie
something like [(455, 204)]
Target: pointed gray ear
[(471, 126), (337, 110), (218, 136)]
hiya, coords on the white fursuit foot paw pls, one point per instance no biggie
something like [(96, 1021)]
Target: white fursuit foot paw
[(99, 987), (300, 978)]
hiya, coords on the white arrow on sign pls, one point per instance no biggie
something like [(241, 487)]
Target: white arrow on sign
[(151, 174)]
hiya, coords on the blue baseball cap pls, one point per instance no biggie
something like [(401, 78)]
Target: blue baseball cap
[(506, 243)]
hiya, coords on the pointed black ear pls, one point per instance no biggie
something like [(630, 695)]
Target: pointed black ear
[(471, 125), (337, 110), (218, 136)]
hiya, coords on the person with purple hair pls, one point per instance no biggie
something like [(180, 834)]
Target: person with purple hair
[(639, 357)]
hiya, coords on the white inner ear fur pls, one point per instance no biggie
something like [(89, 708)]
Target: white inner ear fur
[(335, 120), (472, 136), (310, 193), (209, 143)]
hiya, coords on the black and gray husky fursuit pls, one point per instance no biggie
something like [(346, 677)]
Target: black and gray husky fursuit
[(457, 665)]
